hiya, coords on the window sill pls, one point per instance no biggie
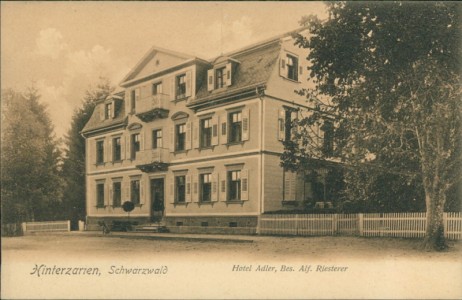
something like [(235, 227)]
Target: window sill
[(291, 80), (234, 143), (180, 151), (180, 204), (289, 203), (98, 206), (101, 164), (211, 203), (117, 161), (241, 202), (207, 148)]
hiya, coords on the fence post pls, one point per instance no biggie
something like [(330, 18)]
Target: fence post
[(360, 224), (296, 224), (258, 225), (445, 224), (334, 224), (24, 227), (68, 225)]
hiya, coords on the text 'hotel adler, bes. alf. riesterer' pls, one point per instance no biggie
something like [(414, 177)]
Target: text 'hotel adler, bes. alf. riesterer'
[(196, 144)]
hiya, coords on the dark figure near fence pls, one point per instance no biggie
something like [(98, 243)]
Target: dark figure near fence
[(105, 227)]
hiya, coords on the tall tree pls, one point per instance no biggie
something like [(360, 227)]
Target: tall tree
[(389, 75), (30, 156), (74, 162)]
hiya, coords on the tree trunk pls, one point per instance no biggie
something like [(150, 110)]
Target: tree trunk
[(434, 234)]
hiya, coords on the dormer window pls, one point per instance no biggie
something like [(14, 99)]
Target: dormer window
[(289, 67), (221, 75), (108, 112), (292, 67), (220, 78)]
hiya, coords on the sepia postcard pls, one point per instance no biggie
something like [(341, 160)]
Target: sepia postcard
[(205, 150)]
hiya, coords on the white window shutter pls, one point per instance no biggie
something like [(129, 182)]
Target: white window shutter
[(172, 88), (215, 130), (215, 182), (109, 150), (195, 187), (286, 186), (188, 79), (210, 80), (106, 194), (111, 194), (224, 129), (188, 188), (102, 109), (195, 130), (289, 186), (141, 140), (122, 147), (281, 124), (223, 186), (282, 67), (245, 124), (142, 193), (113, 109), (92, 151), (228, 74), (188, 136), (171, 188), (172, 138), (244, 184)]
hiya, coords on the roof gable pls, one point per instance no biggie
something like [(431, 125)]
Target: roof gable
[(155, 60)]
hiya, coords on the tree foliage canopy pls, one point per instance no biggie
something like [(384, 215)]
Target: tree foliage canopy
[(388, 74), (31, 160)]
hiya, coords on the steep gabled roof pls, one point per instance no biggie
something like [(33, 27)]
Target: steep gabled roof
[(95, 123), (148, 56), (254, 68)]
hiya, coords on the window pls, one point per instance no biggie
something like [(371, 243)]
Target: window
[(206, 132), (180, 137), (135, 144), (234, 179), (157, 88), (180, 183), (181, 86), (99, 152), (292, 67), (100, 195), (116, 194), (156, 139), (116, 151), (328, 142), (135, 191), (219, 78), (132, 100), (235, 130), (206, 187), (108, 111)]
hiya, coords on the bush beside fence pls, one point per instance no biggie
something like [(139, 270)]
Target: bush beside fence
[(409, 225)]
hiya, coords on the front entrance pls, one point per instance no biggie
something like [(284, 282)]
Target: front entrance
[(157, 199)]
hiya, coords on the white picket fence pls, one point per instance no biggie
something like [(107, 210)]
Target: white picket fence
[(410, 225), (49, 226)]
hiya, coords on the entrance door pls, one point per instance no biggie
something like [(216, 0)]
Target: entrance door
[(157, 199)]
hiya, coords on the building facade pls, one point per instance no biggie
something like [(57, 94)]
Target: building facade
[(196, 143)]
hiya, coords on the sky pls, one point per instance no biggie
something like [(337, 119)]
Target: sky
[(63, 48)]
